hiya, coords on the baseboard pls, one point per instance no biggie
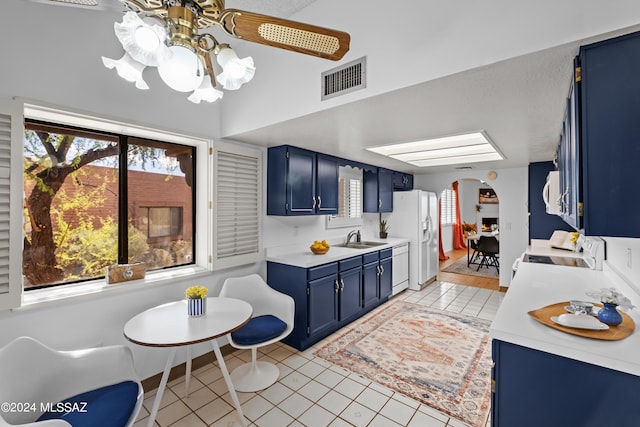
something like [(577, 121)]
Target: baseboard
[(178, 371)]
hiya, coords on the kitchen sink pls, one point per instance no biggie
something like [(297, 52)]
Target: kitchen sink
[(360, 245)]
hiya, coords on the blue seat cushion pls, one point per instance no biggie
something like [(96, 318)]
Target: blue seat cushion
[(109, 406), (259, 329)]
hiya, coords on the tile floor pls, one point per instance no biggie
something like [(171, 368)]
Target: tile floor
[(312, 392)]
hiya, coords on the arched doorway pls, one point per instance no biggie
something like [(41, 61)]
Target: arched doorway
[(468, 205)]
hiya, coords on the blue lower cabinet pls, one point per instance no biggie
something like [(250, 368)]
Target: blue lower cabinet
[(329, 296), (531, 388), (350, 295), (386, 285), (323, 304), (370, 289)]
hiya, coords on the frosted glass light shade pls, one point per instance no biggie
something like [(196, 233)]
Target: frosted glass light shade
[(127, 68), (206, 92), (235, 71), (144, 41), (182, 72)]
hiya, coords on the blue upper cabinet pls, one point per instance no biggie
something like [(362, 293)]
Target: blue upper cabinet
[(326, 184), (378, 190), (569, 155), (402, 181), (301, 182), (607, 139)]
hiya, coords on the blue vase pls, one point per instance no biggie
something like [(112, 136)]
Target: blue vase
[(609, 314)]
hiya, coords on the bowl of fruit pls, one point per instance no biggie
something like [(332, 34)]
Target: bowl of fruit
[(320, 248)]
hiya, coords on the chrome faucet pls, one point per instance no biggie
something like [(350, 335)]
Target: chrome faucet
[(351, 234)]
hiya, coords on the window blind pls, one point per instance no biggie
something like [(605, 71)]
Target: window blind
[(10, 205), (448, 207), (237, 205)]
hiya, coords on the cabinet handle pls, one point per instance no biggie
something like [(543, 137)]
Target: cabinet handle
[(379, 204), (337, 286), (313, 206), (565, 205), (378, 270), (319, 202), (381, 270), (341, 285)]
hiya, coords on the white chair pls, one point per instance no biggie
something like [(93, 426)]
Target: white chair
[(94, 387), (271, 321)]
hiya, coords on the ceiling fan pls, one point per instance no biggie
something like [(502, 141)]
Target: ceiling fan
[(177, 24)]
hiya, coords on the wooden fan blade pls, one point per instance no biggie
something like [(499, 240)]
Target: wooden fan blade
[(291, 35)]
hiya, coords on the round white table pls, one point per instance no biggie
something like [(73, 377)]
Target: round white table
[(168, 325)]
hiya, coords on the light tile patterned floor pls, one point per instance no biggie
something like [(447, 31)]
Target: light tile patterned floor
[(310, 391)]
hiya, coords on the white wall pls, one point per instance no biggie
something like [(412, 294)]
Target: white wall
[(511, 186), (438, 38), (623, 256)]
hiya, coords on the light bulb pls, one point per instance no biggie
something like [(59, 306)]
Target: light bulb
[(182, 71), (146, 38)]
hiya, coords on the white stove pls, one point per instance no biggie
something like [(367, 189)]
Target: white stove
[(591, 254)]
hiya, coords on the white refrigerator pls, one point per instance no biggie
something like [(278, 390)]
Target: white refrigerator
[(415, 216)]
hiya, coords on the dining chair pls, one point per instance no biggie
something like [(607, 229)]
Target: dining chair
[(489, 249), (271, 321), (92, 387)]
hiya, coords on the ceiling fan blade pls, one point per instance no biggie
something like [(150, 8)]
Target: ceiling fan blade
[(291, 35)]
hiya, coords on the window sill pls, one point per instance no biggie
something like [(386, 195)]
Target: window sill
[(66, 293)]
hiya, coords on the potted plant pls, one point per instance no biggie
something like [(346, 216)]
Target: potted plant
[(196, 300), (469, 229), (384, 228)]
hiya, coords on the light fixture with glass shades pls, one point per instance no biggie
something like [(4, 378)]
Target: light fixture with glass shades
[(165, 34), (449, 150)]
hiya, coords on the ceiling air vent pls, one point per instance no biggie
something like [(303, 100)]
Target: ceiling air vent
[(344, 79)]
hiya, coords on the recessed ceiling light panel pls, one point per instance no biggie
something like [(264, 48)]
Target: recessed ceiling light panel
[(466, 148)]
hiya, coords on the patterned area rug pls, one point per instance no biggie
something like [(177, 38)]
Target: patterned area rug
[(460, 267), (439, 358)]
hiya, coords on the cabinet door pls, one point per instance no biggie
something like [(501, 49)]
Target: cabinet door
[(402, 181), (350, 292), (370, 288), (386, 274), (370, 200), (385, 190), (326, 185), (378, 190), (572, 393), (301, 181), (323, 303), (610, 92)]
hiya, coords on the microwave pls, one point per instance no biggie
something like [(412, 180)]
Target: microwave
[(551, 194)]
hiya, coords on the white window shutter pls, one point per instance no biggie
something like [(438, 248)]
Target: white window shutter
[(236, 205), (11, 190)]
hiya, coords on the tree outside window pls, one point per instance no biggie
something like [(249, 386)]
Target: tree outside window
[(83, 190)]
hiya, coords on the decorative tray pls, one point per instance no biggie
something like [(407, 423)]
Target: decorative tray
[(613, 333)]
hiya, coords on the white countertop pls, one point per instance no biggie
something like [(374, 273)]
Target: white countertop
[(538, 285), (301, 256)]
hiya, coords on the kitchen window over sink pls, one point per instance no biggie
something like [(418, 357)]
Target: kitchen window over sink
[(349, 199)]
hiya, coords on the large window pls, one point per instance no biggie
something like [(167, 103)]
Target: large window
[(448, 207), (94, 199)]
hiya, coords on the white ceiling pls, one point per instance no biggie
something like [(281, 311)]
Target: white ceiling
[(518, 102)]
